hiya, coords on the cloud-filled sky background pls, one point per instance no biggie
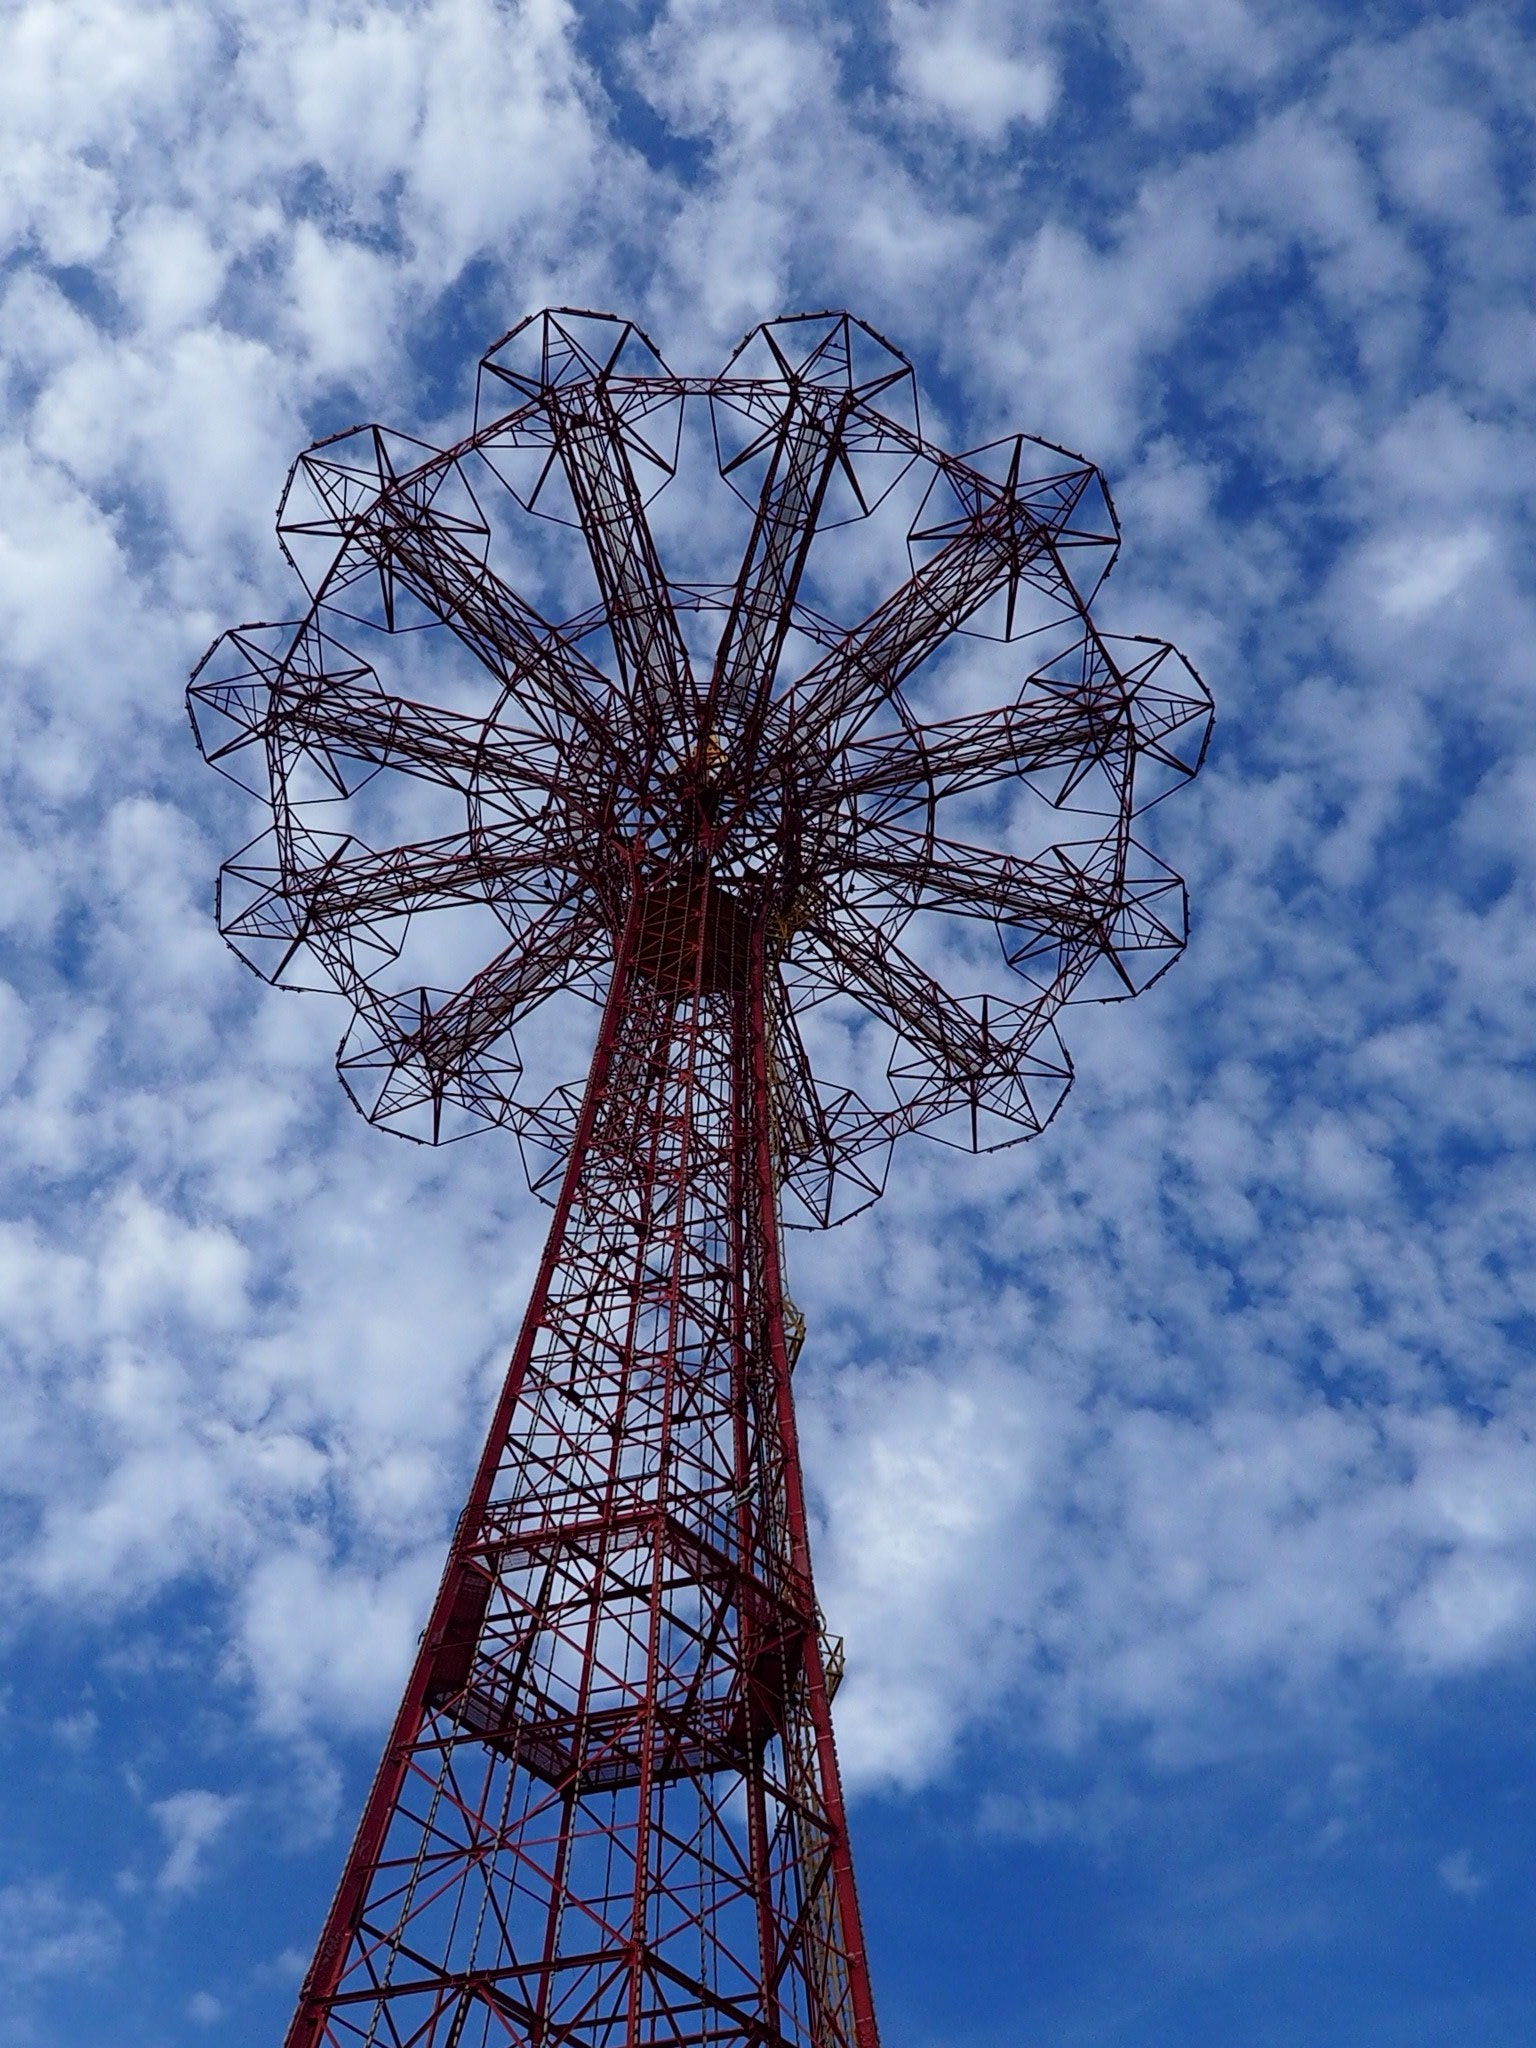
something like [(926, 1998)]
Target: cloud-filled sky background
[(1174, 1475)]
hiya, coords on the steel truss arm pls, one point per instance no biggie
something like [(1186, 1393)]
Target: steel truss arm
[(806, 446), (552, 682), (434, 1047), (455, 751), (352, 884), (802, 1129), (554, 941), (960, 1051), (654, 665), (954, 755), (918, 871), (997, 545), (317, 697), (1075, 903)]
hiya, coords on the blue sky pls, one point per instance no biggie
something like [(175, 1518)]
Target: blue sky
[(1174, 1475)]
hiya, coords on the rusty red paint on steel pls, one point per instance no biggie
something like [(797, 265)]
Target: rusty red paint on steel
[(609, 1808)]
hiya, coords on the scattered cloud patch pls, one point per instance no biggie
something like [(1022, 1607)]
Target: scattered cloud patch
[(976, 64), (191, 1822), (1459, 1876), (46, 1932)]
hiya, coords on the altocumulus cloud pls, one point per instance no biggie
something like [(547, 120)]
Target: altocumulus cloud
[(1206, 1418), (46, 1933)]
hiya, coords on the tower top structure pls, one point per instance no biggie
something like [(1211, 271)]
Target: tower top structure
[(848, 787)]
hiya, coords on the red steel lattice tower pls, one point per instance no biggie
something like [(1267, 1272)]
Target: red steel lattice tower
[(706, 817)]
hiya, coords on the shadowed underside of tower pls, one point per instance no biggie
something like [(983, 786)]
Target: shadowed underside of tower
[(730, 854)]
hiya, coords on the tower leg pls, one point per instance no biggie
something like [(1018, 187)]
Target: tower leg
[(608, 1812)]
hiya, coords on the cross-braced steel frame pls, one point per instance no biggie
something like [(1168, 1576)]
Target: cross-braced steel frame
[(609, 1809)]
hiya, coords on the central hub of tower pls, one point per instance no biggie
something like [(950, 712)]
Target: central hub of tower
[(691, 933)]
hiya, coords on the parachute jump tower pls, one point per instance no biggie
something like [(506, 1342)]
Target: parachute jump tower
[(729, 855)]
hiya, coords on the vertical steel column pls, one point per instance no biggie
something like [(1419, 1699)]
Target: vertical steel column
[(758, 1146), (457, 1590)]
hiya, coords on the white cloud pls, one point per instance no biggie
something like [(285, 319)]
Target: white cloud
[(45, 1932), (1007, 1540), (191, 1822), (334, 1646), (799, 204), (1459, 1875), (1416, 573), (170, 272), (153, 1264), (1184, 51), (79, 1730), (972, 62)]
